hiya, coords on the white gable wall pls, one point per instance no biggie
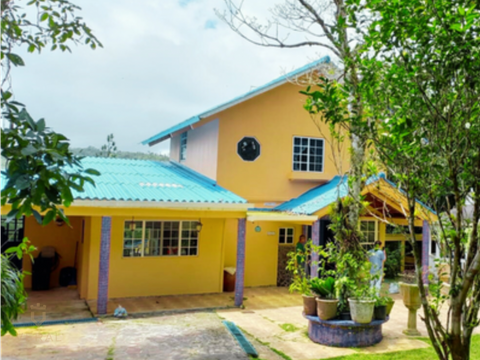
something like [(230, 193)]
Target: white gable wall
[(202, 149)]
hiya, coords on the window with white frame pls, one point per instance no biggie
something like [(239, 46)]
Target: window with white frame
[(160, 238), (285, 236), (370, 232), (183, 146), (308, 154)]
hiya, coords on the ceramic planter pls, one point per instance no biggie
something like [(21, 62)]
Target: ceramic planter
[(411, 299), (326, 309), (410, 295), (380, 312), (362, 310), (309, 305), (389, 307)]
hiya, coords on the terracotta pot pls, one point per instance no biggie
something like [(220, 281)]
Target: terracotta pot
[(389, 307), (326, 309), (309, 305), (362, 310), (411, 295)]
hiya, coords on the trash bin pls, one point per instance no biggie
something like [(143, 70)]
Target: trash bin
[(229, 278), (42, 267)]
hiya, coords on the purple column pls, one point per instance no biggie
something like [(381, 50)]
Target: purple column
[(240, 275), (425, 250), (102, 299), (315, 242)]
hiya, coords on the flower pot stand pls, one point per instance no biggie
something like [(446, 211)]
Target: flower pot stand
[(344, 333)]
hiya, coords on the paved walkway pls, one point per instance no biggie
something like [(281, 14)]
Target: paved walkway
[(285, 329), (193, 336)]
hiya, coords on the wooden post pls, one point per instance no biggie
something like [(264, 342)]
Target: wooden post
[(425, 253), (240, 274), (102, 298)]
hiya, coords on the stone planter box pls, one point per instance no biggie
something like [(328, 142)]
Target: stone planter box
[(344, 333)]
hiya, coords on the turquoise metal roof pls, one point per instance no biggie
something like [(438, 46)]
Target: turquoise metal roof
[(320, 196), (163, 135), (148, 180)]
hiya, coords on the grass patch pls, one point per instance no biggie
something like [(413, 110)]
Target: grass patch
[(416, 354), (289, 327)]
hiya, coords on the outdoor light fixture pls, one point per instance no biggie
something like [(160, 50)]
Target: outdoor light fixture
[(132, 224), (199, 226)]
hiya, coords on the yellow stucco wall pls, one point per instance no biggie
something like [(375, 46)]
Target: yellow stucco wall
[(62, 238), (261, 254), (273, 118), (149, 276)]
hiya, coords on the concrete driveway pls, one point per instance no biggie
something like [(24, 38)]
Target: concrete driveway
[(195, 336)]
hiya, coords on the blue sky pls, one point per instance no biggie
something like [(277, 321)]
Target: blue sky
[(162, 62)]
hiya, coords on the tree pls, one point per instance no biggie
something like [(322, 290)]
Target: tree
[(40, 169), (338, 26), (110, 148), (422, 77)]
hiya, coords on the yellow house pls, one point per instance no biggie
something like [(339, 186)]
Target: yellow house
[(146, 228), (265, 147), (244, 181)]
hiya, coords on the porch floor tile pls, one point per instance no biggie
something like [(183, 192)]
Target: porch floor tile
[(57, 304), (254, 299)]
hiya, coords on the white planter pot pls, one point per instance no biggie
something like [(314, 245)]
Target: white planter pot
[(362, 310)]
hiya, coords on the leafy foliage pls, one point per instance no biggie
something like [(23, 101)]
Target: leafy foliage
[(300, 281), (323, 287), (422, 85), (393, 263), (41, 171), (93, 151), (13, 293), (110, 148)]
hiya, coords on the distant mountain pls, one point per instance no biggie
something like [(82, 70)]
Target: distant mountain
[(93, 151)]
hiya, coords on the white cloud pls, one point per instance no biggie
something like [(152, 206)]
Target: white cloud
[(161, 64)]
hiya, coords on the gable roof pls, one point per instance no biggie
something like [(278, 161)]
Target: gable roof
[(324, 195), (148, 180), (163, 135)]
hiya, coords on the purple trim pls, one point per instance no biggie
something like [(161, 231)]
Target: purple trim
[(315, 242), (425, 250), (240, 274), (102, 299)]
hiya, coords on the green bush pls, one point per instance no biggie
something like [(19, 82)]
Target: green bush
[(393, 264)]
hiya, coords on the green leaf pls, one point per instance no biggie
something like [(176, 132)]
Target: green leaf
[(37, 216), (93, 172), (41, 125), (44, 16), (49, 217), (15, 59)]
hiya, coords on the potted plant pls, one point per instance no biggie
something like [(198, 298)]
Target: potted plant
[(326, 301), (309, 304), (301, 284), (362, 305), (380, 310), (389, 303)]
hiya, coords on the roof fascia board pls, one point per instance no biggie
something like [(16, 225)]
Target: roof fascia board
[(253, 216), (162, 205)]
